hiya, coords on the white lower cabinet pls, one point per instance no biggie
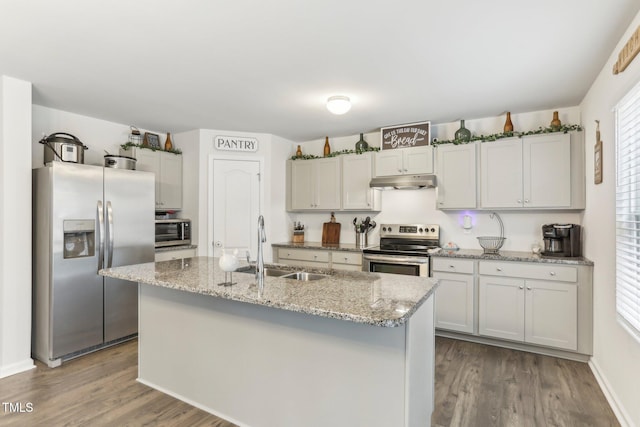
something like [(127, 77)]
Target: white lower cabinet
[(543, 312), (535, 306), (455, 295), (346, 260), (341, 260), (175, 254), (303, 257)]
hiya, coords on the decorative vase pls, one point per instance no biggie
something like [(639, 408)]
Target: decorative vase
[(555, 123), (508, 125), (362, 144), (463, 134), (327, 147), (299, 152), (168, 145)]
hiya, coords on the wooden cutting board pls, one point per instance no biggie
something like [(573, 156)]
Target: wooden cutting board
[(331, 233)]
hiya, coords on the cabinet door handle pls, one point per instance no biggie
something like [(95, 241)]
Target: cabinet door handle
[(528, 288), (520, 287), (526, 200), (406, 170), (519, 200), (399, 170)]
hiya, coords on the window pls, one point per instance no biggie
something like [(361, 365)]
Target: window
[(628, 211)]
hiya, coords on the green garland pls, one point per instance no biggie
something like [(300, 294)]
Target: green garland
[(148, 147), (496, 136), (482, 138), (334, 154)]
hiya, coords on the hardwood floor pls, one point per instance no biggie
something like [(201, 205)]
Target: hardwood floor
[(476, 385), (99, 389), (480, 385)]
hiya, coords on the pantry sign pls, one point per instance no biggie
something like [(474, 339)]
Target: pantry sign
[(236, 143), (405, 136)]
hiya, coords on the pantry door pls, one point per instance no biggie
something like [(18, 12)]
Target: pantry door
[(236, 206)]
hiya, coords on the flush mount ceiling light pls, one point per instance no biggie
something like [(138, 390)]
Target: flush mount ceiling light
[(338, 104)]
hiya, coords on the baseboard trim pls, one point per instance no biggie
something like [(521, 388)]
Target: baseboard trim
[(191, 402), (16, 368), (609, 394)]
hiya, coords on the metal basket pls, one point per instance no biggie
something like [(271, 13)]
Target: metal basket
[(491, 244)]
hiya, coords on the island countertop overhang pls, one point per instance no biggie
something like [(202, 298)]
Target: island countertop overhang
[(378, 299)]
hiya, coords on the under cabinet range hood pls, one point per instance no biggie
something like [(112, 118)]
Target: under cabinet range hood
[(403, 182)]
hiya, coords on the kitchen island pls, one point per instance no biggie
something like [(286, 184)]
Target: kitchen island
[(351, 348)]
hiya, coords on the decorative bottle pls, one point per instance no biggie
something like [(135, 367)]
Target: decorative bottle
[(508, 125), (555, 123), (463, 134), (168, 145), (299, 152), (362, 144), (327, 147)]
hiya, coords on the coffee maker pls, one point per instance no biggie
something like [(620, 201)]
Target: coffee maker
[(561, 240)]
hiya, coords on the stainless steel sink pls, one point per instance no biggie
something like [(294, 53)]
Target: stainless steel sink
[(303, 276), (273, 272)]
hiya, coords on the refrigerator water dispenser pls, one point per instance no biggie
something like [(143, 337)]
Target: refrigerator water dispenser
[(79, 238)]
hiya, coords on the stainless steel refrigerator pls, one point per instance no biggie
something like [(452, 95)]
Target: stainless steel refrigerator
[(86, 218)]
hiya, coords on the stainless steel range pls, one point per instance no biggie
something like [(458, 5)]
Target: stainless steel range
[(404, 249)]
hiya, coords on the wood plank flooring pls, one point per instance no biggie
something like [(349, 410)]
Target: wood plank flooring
[(481, 385), (476, 385)]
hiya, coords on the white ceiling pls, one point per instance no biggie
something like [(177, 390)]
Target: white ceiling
[(268, 66)]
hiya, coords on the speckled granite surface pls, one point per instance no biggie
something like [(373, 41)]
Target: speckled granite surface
[(377, 299), (510, 256), (349, 247)]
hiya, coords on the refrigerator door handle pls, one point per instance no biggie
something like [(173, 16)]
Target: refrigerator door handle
[(110, 234), (100, 236)]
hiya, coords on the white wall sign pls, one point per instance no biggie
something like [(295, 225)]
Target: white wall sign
[(235, 143)]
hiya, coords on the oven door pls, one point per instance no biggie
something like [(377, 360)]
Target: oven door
[(396, 264)]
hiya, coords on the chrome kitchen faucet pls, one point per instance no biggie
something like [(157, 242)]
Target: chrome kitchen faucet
[(260, 259)]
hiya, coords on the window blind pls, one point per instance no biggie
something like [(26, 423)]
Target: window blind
[(628, 211)]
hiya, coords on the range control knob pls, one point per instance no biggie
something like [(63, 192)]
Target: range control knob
[(433, 230), (420, 230), (389, 229), (384, 228)]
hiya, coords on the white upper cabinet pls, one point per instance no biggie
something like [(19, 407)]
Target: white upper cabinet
[(170, 181), (404, 161), (168, 170), (315, 184), (533, 172), (456, 174), (357, 170)]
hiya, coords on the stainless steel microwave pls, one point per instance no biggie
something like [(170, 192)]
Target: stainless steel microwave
[(173, 232)]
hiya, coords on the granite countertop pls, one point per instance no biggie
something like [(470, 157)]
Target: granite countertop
[(176, 248), (378, 299), (347, 247), (510, 256)]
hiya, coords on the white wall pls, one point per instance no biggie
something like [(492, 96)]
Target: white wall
[(522, 229), (616, 354), (99, 135), (15, 226)]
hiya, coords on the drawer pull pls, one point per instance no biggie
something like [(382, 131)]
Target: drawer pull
[(552, 273), (452, 266), (498, 269), (346, 259)]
